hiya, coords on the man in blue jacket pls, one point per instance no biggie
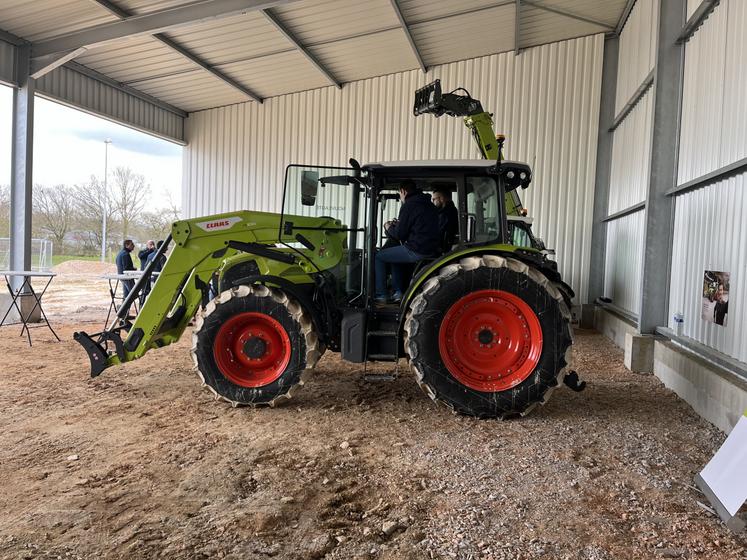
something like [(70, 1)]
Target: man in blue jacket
[(124, 263), (417, 231)]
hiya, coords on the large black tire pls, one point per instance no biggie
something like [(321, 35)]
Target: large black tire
[(287, 322), (457, 283)]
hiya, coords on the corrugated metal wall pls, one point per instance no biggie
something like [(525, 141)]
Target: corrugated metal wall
[(7, 62), (710, 231), (714, 105), (624, 257), (236, 155), (637, 54), (709, 234), (80, 91), (631, 158)]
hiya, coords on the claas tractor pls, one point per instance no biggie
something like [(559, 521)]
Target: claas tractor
[(485, 326)]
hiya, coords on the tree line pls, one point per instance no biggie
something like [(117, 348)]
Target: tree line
[(71, 216)]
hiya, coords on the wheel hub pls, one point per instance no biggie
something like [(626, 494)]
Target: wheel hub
[(252, 349), (490, 340)]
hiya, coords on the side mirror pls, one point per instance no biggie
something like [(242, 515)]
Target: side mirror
[(309, 187)]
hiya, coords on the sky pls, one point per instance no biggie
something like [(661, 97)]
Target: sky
[(69, 148)]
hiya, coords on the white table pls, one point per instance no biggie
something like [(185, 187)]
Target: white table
[(27, 275)]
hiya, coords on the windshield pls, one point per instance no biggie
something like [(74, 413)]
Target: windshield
[(319, 191)]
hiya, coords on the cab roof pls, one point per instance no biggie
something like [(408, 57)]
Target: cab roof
[(410, 165)]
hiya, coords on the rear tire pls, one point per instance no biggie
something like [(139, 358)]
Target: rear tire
[(488, 337), (252, 345)]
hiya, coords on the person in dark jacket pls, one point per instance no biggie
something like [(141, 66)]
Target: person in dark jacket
[(417, 231), (124, 263), (448, 218), (150, 248), (158, 267)]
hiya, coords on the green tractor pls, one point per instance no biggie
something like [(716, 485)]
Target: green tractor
[(485, 326)]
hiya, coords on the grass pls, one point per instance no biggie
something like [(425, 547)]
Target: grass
[(57, 259)]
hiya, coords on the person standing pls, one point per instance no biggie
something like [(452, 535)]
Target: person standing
[(150, 247), (157, 267), (124, 263)]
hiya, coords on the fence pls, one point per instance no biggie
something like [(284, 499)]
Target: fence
[(41, 254)]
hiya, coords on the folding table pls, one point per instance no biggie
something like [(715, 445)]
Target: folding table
[(16, 293)]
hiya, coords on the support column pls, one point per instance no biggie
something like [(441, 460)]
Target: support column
[(21, 164), (602, 178), (659, 217)]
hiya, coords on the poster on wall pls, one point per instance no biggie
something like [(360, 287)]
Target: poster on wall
[(715, 306)]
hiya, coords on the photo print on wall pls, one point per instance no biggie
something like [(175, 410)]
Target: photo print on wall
[(715, 306)]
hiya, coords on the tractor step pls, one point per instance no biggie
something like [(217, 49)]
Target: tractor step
[(382, 333), (383, 357), (375, 377)]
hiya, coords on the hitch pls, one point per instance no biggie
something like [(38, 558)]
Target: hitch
[(573, 382)]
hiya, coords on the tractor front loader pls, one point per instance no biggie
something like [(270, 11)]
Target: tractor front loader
[(485, 326)]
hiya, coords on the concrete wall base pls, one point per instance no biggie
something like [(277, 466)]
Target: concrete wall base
[(26, 303), (716, 394), (613, 326), (639, 352)]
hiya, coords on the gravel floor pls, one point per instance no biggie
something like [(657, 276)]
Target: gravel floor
[(142, 462)]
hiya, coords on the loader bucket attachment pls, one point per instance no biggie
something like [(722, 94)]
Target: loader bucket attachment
[(96, 354)]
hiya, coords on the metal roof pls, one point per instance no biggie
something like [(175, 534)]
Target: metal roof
[(199, 54)]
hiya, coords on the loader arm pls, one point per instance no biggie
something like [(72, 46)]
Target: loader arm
[(431, 100), (200, 247)]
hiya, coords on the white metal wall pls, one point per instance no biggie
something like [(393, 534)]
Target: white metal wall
[(709, 234), (236, 155), (710, 231), (82, 92), (714, 105), (637, 51), (631, 158), (624, 257)]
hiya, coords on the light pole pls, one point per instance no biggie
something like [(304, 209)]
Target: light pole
[(106, 199)]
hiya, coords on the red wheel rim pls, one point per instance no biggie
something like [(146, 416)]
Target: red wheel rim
[(252, 349), (490, 340)]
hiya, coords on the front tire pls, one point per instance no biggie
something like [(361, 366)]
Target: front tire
[(252, 345), (488, 336)]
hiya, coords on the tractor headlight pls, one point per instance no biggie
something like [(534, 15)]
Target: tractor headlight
[(510, 175), (522, 175)]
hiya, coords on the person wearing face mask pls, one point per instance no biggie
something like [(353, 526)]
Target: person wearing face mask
[(417, 231)]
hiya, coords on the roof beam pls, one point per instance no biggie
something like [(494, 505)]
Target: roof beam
[(408, 34), (568, 14), (517, 29), (186, 53), (273, 19), (624, 16), (45, 64), (149, 24)]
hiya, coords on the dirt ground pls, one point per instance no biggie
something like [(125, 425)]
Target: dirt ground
[(143, 463)]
